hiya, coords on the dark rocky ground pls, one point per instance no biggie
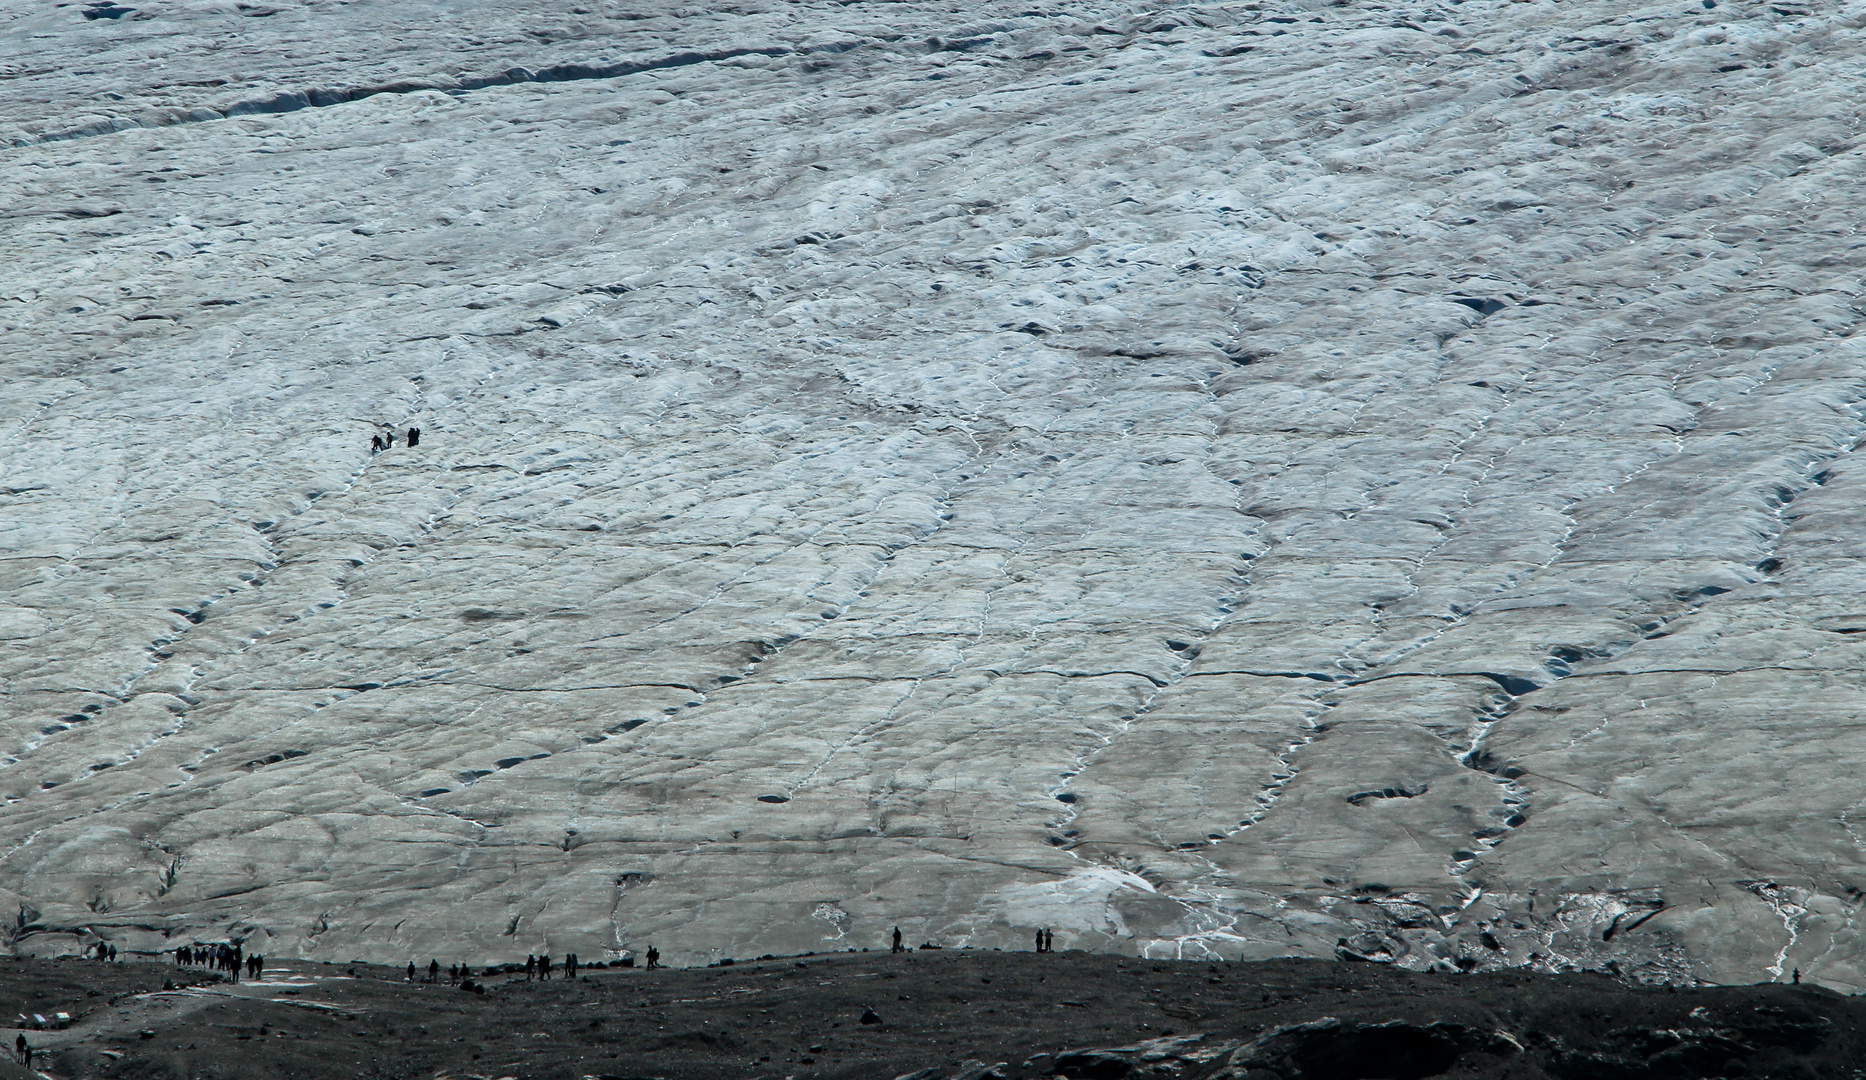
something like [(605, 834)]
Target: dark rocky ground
[(943, 1016)]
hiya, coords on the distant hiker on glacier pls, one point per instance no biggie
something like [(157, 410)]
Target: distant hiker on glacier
[(434, 971), (531, 967), (654, 958), (375, 444), (411, 971), (897, 940), (570, 966), (414, 437)]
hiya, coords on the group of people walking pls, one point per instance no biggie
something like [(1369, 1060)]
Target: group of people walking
[(536, 967), (225, 957), (1046, 941), (379, 443), (540, 967)]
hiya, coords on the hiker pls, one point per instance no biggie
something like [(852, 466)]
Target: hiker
[(531, 967), (414, 437), (544, 968), (570, 966), (411, 971), (654, 958), (1797, 976), (113, 954), (897, 940), (388, 439), (375, 444), (1049, 940), (434, 971), (21, 1050)]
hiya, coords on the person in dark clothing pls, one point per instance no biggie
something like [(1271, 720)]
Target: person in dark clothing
[(434, 971), (654, 958), (375, 444), (544, 968), (1049, 940), (414, 437), (453, 974), (411, 971), (897, 940), (1039, 940), (22, 1049), (570, 965), (531, 967), (113, 954), (388, 439)]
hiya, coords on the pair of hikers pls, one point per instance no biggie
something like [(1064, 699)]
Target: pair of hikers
[(1046, 940)]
